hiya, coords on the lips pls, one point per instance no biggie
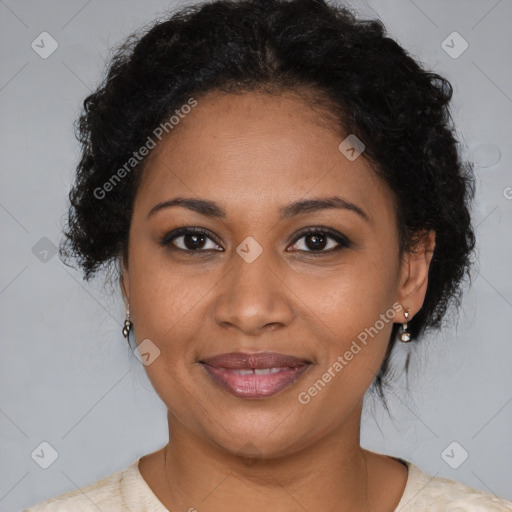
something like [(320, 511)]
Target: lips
[(246, 361), (255, 375)]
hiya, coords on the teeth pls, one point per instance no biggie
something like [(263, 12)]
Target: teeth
[(243, 372), (259, 371), (266, 371)]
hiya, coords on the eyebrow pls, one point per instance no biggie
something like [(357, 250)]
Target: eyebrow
[(212, 209)]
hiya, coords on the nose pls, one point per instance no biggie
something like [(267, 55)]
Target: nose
[(253, 298)]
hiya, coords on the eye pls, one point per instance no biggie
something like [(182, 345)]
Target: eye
[(316, 240), (190, 239)]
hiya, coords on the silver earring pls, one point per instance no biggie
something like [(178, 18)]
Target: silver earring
[(405, 335), (127, 323)]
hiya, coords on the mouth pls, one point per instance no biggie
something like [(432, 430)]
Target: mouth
[(255, 375)]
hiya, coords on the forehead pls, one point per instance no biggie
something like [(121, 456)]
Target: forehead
[(255, 147), (221, 123)]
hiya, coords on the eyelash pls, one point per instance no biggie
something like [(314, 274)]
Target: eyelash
[(342, 240)]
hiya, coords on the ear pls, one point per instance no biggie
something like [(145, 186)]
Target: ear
[(124, 281), (414, 273)]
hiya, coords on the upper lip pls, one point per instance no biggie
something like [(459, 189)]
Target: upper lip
[(244, 360)]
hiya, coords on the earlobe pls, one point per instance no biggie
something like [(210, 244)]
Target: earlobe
[(414, 272)]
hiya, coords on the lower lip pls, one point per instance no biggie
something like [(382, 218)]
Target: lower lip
[(253, 385)]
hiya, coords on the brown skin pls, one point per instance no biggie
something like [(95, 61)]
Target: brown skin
[(253, 153)]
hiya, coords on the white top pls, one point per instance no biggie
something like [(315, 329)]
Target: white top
[(127, 490)]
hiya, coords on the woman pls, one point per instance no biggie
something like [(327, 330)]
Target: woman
[(280, 186)]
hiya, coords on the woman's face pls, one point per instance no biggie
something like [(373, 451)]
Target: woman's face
[(257, 282)]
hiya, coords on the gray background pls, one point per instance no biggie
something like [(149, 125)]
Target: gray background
[(67, 376)]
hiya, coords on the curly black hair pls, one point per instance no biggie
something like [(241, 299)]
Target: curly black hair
[(373, 87)]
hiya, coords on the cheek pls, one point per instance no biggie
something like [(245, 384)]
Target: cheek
[(352, 313), (163, 294), (353, 295), (167, 311)]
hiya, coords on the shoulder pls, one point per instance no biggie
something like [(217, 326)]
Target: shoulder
[(123, 490), (424, 492)]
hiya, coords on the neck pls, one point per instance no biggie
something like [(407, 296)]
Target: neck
[(329, 475)]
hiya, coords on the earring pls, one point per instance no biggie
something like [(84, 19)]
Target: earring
[(405, 335), (127, 323)]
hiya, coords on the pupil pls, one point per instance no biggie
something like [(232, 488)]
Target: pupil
[(197, 239), (318, 241)]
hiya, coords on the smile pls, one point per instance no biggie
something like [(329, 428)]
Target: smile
[(257, 382)]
